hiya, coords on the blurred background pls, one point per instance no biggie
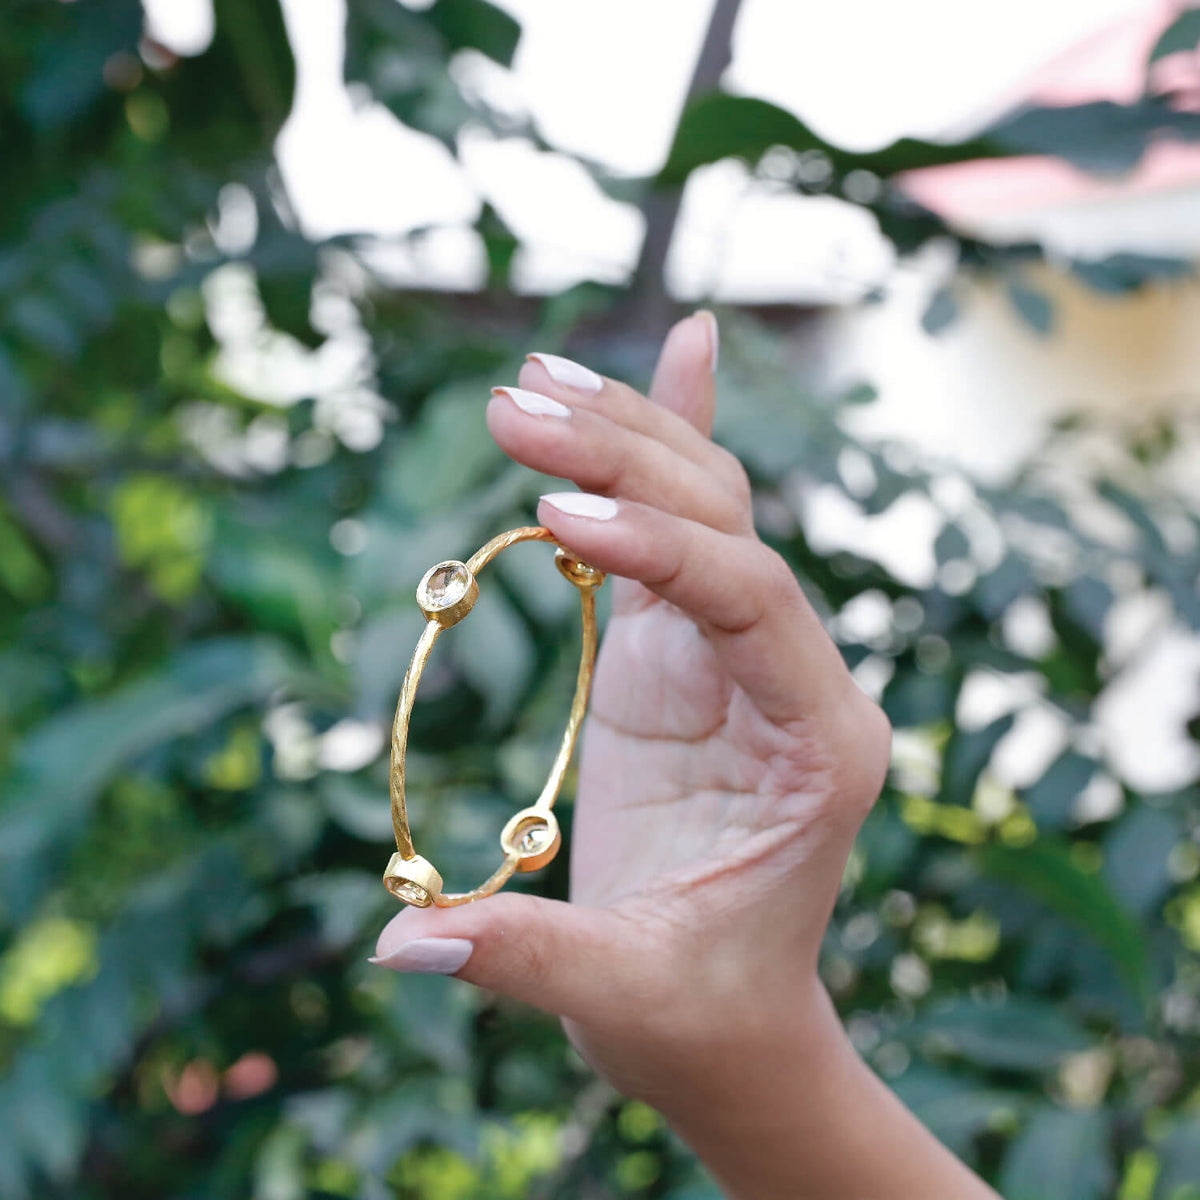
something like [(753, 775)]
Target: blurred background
[(260, 262)]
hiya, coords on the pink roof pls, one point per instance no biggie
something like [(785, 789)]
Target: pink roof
[(1110, 65)]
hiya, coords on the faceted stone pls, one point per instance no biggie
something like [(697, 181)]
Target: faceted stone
[(446, 585), (412, 893), (535, 838)]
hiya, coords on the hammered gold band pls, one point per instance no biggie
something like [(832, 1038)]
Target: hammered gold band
[(531, 838)]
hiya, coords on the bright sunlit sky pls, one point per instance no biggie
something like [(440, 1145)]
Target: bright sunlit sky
[(606, 81)]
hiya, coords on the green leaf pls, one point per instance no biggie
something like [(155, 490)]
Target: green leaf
[(951, 543), (1121, 273), (50, 1121), (1046, 872), (1012, 579), (449, 449), (916, 697), (1179, 1161), (492, 650), (252, 34), (1015, 1034), (69, 77), (64, 763), (287, 300), (344, 901), (1136, 854), (434, 1014), (1101, 136), (1034, 307), (967, 754), (956, 1110), (282, 585), (13, 1182), (1181, 35), (940, 313), (1052, 798), (719, 125), (1087, 601), (1062, 1154), (358, 807), (1134, 508), (476, 25)]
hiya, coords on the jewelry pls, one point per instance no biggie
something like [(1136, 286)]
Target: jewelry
[(532, 838)]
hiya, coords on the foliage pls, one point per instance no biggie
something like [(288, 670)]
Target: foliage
[(205, 613)]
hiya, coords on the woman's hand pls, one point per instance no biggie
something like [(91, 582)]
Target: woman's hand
[(728, 760)]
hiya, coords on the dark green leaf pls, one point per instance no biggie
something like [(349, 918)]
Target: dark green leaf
[(1035, 308), (719, 125), (1062, 1154), (915, 697), (1009, 581), (956, 1109), (951, 543), (1179, 1161), (65, 762), (940, 312), (1136, 854), (1045, 871), (1100, 136), (476, 25), (70, 77), (1182, 34), (1121, 273), (967, 754), (1017, 1034), (1052, 798), (1088, 601)]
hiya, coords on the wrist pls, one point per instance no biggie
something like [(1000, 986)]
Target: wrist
[(787, 1110), (749, 1087)]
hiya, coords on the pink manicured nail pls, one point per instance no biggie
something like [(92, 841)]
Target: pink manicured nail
[(533, 403), (568, 373), (583, 504), (428, 956), (714, 337)]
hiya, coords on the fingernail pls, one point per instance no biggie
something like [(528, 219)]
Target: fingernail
[(533, 403), (583, 504), (428, 956), (568, 373), (714, 337)]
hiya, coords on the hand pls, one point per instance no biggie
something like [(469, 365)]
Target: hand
[(728, 760)]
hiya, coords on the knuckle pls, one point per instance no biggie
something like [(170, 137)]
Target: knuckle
[(871, 732), (776, 572), (731, 471), (531, 961)]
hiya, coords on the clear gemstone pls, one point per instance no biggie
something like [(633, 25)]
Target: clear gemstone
[(412, 893), (534, 839), (446, 585)]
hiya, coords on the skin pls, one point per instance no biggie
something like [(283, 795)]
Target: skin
[(728, 760)]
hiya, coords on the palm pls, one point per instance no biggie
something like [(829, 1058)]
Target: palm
[(672, 772)]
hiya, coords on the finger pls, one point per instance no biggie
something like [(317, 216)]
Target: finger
[(684, 378), (742, 595), (565, 958), (680, 414), (610, 459), (577, 386)]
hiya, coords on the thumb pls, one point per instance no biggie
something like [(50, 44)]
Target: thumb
[(564, 958), (683, 379)]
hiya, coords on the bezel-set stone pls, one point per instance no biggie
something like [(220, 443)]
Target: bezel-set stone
[(447, 592)]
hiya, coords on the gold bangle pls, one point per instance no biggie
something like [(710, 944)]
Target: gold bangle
[(531, 838)]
